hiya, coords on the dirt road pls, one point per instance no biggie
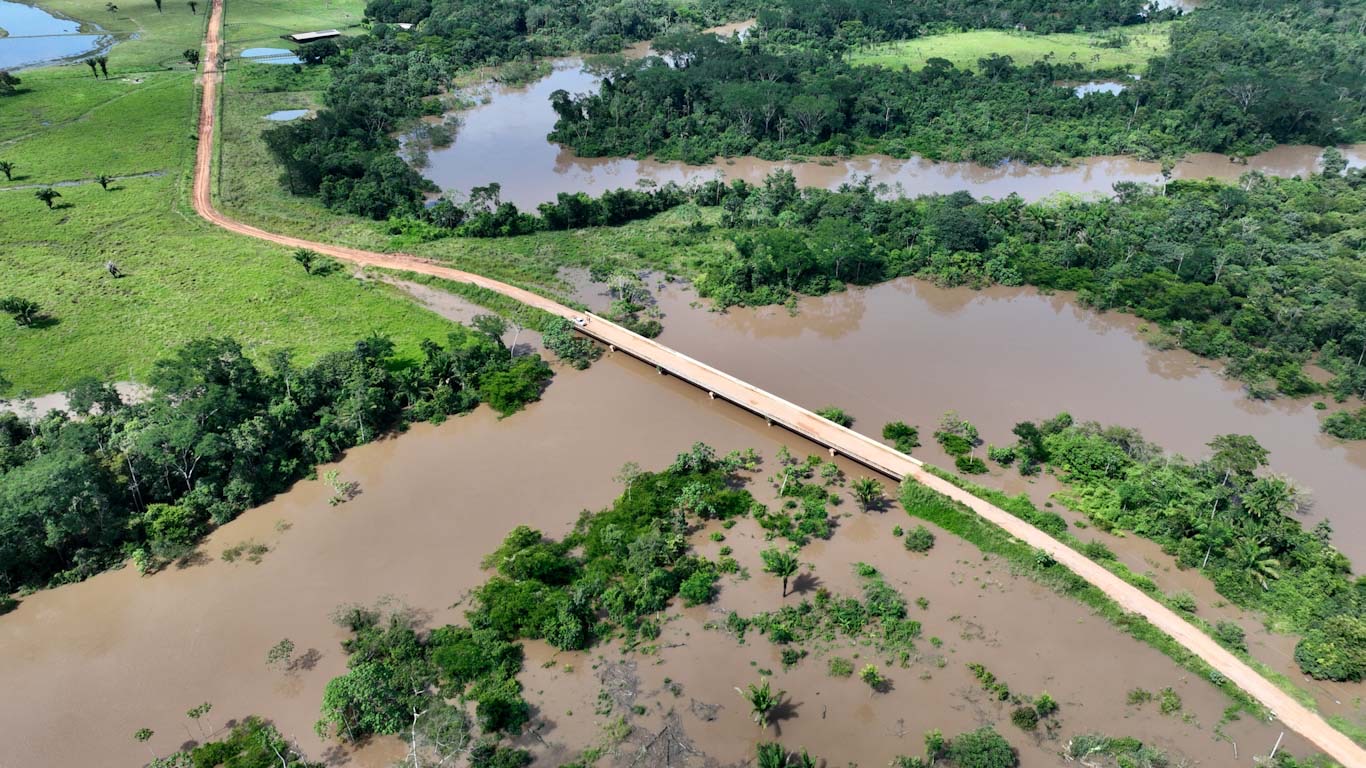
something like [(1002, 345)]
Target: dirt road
[(845, 441)]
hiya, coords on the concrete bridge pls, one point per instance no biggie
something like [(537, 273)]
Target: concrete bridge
[(846, 442)]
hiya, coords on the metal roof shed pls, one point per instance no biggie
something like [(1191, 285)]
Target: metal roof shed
[(308, 37)]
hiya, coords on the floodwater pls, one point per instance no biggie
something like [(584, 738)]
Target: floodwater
[(1112, 87), (36, 37), (910, 350), (286, 115), (270, 56), (504, 140), (86, 665)]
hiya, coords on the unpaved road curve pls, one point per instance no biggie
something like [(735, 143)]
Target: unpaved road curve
[(852, 444)]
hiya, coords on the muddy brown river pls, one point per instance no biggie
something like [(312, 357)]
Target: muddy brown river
[(504, 140), (910, 350), (86, 665)]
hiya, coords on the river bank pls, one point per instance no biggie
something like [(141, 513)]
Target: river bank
[(38, 37), (503, 140)]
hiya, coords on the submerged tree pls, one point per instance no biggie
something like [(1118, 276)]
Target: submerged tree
[(780, 563), (868, 493)]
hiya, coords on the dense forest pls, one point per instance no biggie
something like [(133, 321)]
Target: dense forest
[(1222, 515), (1233, 81), (218, 434), (1238, 78)]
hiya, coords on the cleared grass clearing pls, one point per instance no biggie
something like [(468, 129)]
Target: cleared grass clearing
[(261, 23), (1140, 43), (184, 278)]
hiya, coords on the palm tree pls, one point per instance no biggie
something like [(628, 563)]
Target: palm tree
[(193, 6), (7, 168), (47, 195), (93, 67), (770, 755), (306, 259), (762, 701), (158, 2), (1253, 556), (868, 493), (104, 180), (779, 563), (103, 61)]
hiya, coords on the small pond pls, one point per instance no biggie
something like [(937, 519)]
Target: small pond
[(271, 56), (1111, 87), (35, 37), (285, 115)]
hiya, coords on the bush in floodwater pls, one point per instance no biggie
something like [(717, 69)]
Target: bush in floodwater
[(1182, 601), (970, 465), (1231, 635), (1025, 718), (698, 588), (1097, 550), (1045, 705), (1003, 456), (902, 435), (839, 667), (870, 675), (919, 539), (1169, 702), (837, 415), (1334, 651)]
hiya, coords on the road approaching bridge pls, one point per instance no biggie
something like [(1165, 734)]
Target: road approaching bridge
[(853, 445)]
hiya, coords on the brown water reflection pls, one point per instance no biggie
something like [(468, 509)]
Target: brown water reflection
[(504, 140), (86, 665), (910, 350)]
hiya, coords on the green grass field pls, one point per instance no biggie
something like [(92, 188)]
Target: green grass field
[(965, 48), (184, 278)]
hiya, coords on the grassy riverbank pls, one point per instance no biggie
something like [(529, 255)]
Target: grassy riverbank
[(1130, 48), (183, 278)]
